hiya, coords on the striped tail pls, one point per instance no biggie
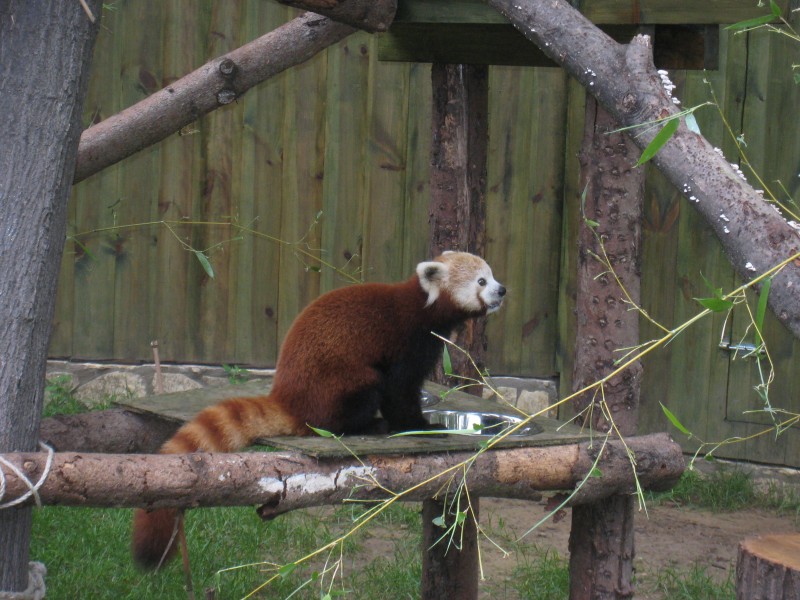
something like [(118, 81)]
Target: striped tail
[(225, 427)]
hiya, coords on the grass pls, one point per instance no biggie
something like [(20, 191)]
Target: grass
[(729, 490), (695, 584)]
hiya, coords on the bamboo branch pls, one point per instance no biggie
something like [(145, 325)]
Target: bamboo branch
[(623, 79), (287, 481)]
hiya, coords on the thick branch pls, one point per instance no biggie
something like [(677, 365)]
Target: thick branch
[(286, 481), (368, 15), (213, 85), (113, 431), (623, 79)]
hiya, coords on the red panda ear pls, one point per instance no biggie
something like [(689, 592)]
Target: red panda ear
[(432, 276)]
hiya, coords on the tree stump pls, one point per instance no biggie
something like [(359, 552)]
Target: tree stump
[(768, 568)]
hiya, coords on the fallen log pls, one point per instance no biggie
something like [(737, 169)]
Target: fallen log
[(282, 482)]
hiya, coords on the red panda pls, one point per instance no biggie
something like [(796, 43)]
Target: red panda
[(350, 353)]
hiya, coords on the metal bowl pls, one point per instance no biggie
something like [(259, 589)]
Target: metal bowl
[(481, 423), (428, 399)]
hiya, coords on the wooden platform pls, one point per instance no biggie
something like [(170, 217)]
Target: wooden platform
[(183, 406)]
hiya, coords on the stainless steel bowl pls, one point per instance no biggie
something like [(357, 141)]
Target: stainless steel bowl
[(481, 423)]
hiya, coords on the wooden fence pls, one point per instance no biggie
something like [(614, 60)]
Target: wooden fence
[(320, 176)]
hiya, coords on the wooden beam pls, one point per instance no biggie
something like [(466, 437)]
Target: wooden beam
[(285, 481)]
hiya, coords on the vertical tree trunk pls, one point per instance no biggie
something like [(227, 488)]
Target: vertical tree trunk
[(601, 538), (458, 177), (458, 222), (45, 49)]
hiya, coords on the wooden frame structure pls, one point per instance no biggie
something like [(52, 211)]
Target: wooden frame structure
[(466, 161)]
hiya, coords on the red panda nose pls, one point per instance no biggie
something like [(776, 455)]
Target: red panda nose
[(501, 291)]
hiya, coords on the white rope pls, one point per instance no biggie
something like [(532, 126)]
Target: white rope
[(33, 489), (36, 588)]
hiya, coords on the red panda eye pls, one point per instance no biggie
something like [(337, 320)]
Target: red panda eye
[(481, 282)]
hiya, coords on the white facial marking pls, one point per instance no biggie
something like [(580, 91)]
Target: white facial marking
[(470, 283)]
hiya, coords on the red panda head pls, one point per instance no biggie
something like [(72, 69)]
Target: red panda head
[(465, 278)]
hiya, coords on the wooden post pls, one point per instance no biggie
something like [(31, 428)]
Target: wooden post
[(45, 49), (601, 539), (458, 222)]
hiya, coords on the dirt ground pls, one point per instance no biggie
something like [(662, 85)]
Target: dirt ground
[(668, 536)]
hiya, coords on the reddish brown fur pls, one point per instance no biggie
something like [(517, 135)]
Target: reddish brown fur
[(351, 352)]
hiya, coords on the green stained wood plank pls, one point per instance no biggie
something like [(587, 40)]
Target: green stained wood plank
[(418, 168), (260, 204), (137, 202), (576, 110), (675, 46), (303, 173), (183, 406), (384, 210), (176, 310), (220, 202), (598, 11), (94, 264), (775, 153), (524, 199), (346, 132)]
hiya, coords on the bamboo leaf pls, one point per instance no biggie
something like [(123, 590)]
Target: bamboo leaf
[(674, 420), (447, 364), (322, 432), (761, 310), (751, 23), (286, 570), (715, 304), (691, 124), (205, 263), (661, 138)]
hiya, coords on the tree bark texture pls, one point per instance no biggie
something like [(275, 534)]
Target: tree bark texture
[(112, 431), (287, 481), (614, 189), (458, 222), (450, 569), (768, 568), (212, 86), (601, 538), (623, 79), (457, 215), (45, 49), (369, 15), (601, 549)]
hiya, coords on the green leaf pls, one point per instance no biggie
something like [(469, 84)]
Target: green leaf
[(674, 420), (322, 432), (446, 362), (661, 138), (715, 304), (205, 263), (751, 23), (439, 521), (461, 517), (592, 224), (286, 570), (691, 123), (761, 309), (595, 472), (776, 10)]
